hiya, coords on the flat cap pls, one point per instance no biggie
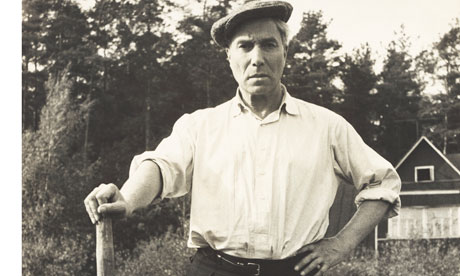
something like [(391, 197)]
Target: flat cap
[(223, 28)]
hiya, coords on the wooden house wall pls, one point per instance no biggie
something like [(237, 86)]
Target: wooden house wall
[(430, 200), (445, 178), (424, 155)]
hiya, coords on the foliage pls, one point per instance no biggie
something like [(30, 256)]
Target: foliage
[(54, 185), (66, 254), (166, 255), (312, 62), (359, 103), (417, 257), (54, 35), (206, 74), (441, 111), (398, 97)]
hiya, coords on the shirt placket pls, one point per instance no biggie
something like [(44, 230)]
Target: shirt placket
[(261, 189)]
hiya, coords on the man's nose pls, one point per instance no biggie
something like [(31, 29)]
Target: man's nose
[(257, 57)]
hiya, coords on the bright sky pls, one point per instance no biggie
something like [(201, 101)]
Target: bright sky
[(355, 22), (359, 21)]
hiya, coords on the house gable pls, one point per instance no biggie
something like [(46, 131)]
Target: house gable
[(454, 158), (423, 155), (430, 195)]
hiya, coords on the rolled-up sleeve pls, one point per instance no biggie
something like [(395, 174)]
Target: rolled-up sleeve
[(174, 157), (373, 176)]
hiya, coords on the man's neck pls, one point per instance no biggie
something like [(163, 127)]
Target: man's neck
[(262, 104)]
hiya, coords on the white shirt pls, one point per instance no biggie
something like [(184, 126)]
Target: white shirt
[(263, 188)]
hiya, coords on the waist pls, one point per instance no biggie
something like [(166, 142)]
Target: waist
[(208, 251), (251, 266)]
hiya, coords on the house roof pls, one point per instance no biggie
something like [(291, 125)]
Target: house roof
[(453, 161), (454, 158)]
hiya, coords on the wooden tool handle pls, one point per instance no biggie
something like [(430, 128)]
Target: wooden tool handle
[(104, 248)]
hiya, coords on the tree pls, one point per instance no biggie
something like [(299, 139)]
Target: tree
[(33, 92), (442, 110), (359, 82), (207, 77), (55, 239), (312, 63), (398, 96), (55, 34), (131, 94)]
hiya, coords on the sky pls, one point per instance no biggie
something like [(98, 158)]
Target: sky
[(356, 22)]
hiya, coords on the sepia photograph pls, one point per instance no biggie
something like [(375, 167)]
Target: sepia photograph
[(239, 138)]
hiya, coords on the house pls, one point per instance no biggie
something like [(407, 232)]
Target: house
[(430, 196)]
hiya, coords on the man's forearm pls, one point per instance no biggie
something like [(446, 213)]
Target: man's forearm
[(368, 215), (143, 186)]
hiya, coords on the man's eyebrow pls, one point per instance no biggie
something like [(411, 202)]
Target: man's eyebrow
[(244, 39), (261, 40), (269, 39)]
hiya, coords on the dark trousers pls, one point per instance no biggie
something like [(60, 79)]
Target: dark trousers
[(206, 263)]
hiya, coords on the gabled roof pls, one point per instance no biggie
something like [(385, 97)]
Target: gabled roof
[(454, 158), (449, 162)]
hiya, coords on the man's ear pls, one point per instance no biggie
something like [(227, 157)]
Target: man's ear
[(228, 53)]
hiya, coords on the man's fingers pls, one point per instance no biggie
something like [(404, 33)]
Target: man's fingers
[(100, 195), (316, 264), (91, 206), (308, 259), (105, 193), (90, 213), (306, 248), (323, 269), (113, 209)]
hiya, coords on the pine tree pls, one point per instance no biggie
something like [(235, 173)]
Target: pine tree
[(54, 186), (33, 76), (442, 110), (312, 63), (398, 96), (359, 81)]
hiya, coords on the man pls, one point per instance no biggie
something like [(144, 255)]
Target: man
[(263, 168)]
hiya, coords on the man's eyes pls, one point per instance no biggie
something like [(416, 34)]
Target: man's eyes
[(265, 45), (245, 45), (270, 45)]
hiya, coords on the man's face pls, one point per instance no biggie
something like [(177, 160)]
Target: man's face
[(257, 57)]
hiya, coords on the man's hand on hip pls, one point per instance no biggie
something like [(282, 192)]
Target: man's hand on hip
[(106, 199), (323, 255)]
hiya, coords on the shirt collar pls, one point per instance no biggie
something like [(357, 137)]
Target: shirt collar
[(287, 103)]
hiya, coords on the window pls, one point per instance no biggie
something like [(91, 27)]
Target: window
[(424, 173)]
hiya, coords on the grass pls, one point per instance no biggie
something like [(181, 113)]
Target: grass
[(168, 256)]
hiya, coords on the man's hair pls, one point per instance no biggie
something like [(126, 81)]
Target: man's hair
[(283, 28)]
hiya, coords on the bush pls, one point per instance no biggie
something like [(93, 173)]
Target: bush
[(55, 238), (411, 257), (56, 256), (167, 255)]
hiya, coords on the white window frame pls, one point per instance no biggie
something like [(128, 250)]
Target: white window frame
[(431, 168)]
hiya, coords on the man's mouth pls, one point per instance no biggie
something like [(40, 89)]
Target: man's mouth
[(256, 76)]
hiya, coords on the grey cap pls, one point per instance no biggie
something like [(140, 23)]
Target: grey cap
[(222, 29)]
